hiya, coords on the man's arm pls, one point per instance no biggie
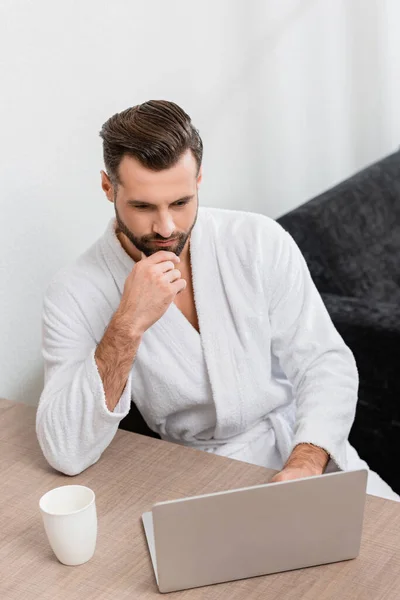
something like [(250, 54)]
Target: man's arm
[(73, 424), (149, 290), (114, 357), (316, 361), (87, 388)]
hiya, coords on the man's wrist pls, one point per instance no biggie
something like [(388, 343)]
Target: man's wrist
[(123, 323), (310, 457)]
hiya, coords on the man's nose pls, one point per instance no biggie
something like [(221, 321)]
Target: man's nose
[(164, 225)]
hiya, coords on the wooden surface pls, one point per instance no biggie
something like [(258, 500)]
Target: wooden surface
[(133, 474)]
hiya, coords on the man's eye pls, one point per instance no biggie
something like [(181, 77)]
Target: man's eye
[(181, 203)]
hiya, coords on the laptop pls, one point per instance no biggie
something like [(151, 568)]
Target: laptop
[(258, 530)]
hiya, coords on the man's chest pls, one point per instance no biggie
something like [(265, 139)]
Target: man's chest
[(185, 302)]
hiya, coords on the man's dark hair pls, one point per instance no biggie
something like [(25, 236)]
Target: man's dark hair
[(156, 133)]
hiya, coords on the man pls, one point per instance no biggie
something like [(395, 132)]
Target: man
[(206, 319)]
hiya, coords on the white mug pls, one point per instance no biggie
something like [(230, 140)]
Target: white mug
[(70, 521)]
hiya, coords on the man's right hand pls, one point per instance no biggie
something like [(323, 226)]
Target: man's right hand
[(149, 290)]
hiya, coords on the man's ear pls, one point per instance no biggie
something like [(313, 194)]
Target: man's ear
[(200, 176), (107, 186)]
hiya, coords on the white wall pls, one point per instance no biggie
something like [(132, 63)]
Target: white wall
[(290, 97)]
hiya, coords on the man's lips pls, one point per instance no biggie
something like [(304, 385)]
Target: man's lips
[(164, 243)]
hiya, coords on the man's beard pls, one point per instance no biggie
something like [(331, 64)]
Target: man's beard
[(143, 244)]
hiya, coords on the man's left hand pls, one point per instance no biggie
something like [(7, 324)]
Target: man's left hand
[(289, 473), (306, 460)]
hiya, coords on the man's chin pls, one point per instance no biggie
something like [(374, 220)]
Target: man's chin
[(176, 248), (156, 248)]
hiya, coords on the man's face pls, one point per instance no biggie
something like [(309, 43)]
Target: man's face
[(156, 210)]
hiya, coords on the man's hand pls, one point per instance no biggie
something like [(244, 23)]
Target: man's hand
[(149, 290), (306, 460)]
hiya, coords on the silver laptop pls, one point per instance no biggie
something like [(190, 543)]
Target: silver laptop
[(256, 531)]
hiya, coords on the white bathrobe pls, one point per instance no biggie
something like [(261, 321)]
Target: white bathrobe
[(267, 371)]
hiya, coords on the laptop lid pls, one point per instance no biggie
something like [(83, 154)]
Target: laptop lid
[(258, 530)]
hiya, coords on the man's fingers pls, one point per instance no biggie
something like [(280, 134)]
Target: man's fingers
[(283, 476), (289, 473), (179, 285), (162, 256), (165, 267), (173, 275), (276, 478)]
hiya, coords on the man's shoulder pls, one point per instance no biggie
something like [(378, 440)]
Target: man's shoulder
[(80, 277), (244, 226)]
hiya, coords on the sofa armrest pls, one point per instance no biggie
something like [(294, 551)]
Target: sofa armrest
[(357, 314), (372, 332)]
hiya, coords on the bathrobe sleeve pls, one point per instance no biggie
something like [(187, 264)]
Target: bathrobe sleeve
[(311, 353), (73, 423)]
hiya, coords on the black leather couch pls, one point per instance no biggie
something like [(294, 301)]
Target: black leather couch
[(350, 238)]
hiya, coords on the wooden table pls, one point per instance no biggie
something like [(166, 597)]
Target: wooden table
[(133, 474)]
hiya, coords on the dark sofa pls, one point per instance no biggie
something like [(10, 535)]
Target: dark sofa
[(350, 238)]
